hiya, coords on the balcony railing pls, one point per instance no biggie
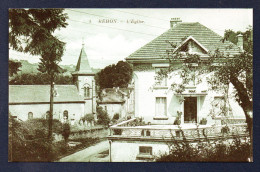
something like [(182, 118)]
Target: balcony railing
[(125, 130)]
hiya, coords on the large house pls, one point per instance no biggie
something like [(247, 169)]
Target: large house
[(70, 101), (159, 106)]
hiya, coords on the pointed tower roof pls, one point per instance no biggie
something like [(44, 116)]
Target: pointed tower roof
[(83, 66)]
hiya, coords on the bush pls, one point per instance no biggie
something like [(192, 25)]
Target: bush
[(217, 151), (28, 140), (177, 121), (66, 132), (90, 117), (116, 116), (102, 116), (203, 121)]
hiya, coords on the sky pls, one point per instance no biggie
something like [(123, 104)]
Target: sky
[(110, 35)]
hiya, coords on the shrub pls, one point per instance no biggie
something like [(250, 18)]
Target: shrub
[(116, 116), (203, 121), (102, 116), (216, 151), (90, 117), (28, 140), (66, 131), (177, 121)]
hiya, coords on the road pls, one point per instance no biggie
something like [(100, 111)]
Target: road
[(95, 153)]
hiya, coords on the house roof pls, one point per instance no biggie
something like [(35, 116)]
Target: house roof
[(41, 94), (114, 95), (83, 66), (176, 35)]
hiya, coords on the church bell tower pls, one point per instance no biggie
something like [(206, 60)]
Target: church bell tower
[(83, 78)]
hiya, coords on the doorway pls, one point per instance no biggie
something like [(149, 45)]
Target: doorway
[(190, 110)]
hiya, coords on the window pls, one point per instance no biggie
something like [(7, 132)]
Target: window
[(86, 92), (145, 150), (162, 82), (190, 110), (160, 107), (30, 115), (145, 153)]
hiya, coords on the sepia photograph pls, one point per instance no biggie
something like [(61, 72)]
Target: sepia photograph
[(130, 85)]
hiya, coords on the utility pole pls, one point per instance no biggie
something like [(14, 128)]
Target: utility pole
[(92, 97)]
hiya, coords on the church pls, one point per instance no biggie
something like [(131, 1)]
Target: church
[(70, 101)]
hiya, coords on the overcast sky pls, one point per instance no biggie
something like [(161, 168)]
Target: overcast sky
[(107, 43)]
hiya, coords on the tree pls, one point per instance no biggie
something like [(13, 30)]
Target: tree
[(102, 116), (14, 67), (40, 79), (118, 75), (32, 31), (222, 70)]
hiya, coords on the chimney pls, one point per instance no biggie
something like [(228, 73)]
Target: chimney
[(174, 22), (240, 41)]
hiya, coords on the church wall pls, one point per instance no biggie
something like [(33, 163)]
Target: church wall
[(39, 110)]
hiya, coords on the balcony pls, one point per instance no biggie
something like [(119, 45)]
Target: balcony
[(129, 130)]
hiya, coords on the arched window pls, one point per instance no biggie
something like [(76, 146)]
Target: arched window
[(86, 91), (86, 88), (66, 114), (30, 115)]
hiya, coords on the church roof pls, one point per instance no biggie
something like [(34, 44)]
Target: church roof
[(83, 66), (180, 32), (19, 94)]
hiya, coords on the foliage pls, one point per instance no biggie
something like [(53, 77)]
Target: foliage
[(138, 122), (90, 117), (66, 131), (35, 27), (115, 117), (231, 36), (28, 140), (13, 67), (203, 121), (40, 79), (216, 151), (118, 75), (32, 31), (102, 116), (177, 121)]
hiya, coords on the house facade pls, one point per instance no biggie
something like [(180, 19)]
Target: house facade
[(157, 103), (159, 106)]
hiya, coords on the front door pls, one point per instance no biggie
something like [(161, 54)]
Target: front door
[(190, 110)]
